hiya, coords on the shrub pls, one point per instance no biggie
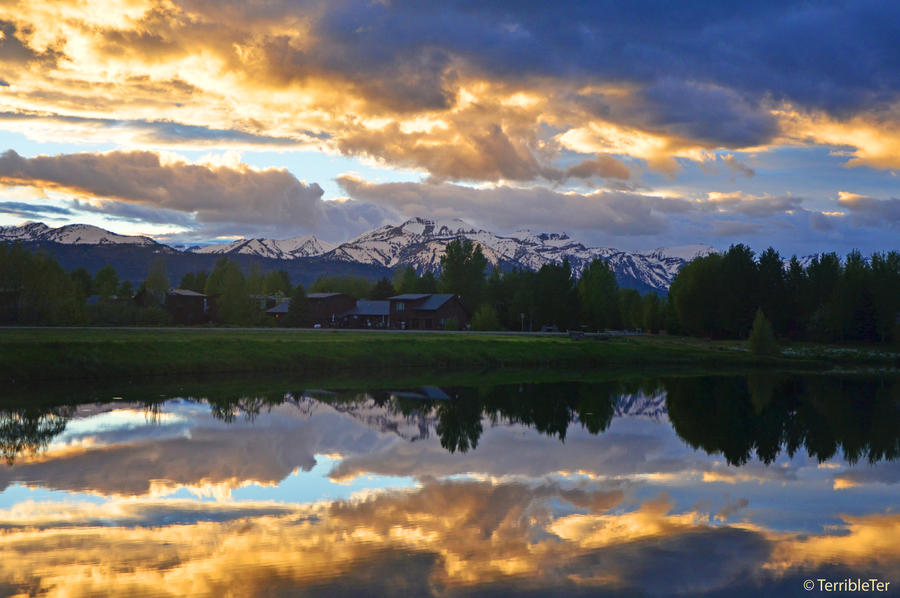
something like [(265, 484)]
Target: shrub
[(762, 338), (485, 318)]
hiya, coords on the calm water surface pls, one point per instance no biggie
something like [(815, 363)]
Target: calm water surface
[(704, 486)]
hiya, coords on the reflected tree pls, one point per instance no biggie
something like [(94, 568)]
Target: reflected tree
[(29, 431), (765, 413)]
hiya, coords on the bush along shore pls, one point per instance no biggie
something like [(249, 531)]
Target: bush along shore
[(61, 353)]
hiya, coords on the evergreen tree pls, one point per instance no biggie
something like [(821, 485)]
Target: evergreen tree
[(556, 300), (355, 286), (106, 281), (886, 294), (277, 281), (738, 279), (255, 280), (298, 311), (695, 295), (125, 290), (631, 309), (83, 282), (772, 291), (653, 312), (406, 280), (427, 283), (228, 289), (157, 282), (463, 267), (382, 290), (796, 291), (598, 296)]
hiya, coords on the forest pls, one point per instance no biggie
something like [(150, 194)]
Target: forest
[(828, 299)]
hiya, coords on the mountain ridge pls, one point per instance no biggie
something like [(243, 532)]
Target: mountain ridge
[(417, 242)]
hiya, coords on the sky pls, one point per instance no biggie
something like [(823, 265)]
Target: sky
[(632, 125)]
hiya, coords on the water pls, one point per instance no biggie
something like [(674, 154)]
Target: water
[(692, 486)]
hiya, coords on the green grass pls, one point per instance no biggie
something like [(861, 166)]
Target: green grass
[(65, 353)]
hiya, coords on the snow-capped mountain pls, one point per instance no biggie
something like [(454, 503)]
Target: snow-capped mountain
[(285, 249), (421, 242), (71, 234)]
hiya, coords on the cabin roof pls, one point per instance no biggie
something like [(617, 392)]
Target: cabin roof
[(185, 293), (365, 307)]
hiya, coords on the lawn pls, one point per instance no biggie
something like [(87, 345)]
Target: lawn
[(97, 353)]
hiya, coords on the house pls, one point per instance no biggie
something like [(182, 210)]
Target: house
[(419, 311), (327, 308), (187, 307), (367, 314), (280, 310)]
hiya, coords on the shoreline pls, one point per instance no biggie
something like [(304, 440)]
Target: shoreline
[(39, 354)]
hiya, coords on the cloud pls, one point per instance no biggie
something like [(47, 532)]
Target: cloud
[(708, 114), (505, 89), (885, 473), (14, 50), (869, 211), (603, 166), (737, 166), (509, 208), (218, 197), (752, 205), (147, 133)]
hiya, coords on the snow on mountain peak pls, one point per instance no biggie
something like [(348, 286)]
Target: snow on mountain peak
[(684, 252), (284, 249), (71, 234)]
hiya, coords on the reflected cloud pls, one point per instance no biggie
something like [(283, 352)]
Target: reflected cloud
[(448, 536)]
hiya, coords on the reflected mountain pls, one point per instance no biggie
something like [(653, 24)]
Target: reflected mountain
[(758, 414)]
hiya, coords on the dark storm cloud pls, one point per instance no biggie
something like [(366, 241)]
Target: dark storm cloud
[(706, 69), (869, 211), (27, 210)]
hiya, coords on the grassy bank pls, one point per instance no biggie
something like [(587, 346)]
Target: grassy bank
[(48, 353)]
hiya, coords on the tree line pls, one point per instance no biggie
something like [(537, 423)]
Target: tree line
[(828, 300), (718, 296)]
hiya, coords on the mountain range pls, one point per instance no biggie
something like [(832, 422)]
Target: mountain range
[(418, 242)]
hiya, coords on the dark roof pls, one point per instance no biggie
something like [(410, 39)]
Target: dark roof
[(186, 293), (322, 295), (370, 308), (281, 308), (435, 301), (409, 297)]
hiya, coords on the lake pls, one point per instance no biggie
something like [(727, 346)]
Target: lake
[(477, 484)]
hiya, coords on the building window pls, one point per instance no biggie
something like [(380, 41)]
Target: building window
[(401, 306), (428, 323)]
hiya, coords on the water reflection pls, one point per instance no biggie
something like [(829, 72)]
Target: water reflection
[(576, 488)]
